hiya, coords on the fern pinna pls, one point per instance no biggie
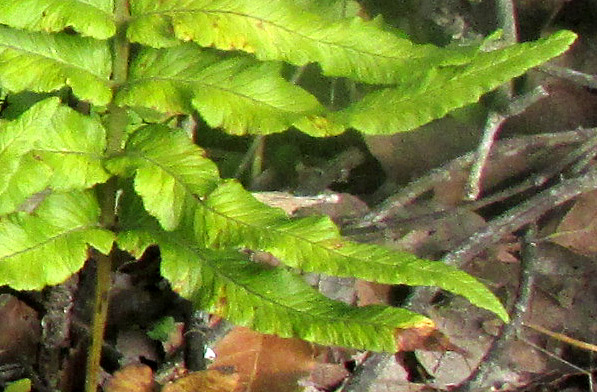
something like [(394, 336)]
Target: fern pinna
[(117, 171)]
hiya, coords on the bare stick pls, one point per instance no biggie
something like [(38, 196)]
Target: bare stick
[(367, 373), (563, 338), (478, 380), (507, 20), (576, 77), (522, 215), (492, 126), (557, 358), (380, 215)]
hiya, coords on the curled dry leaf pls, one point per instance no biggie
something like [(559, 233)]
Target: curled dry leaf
[(214, 380), (578, 229), (326, 377), (265, 362), (369, 293), (131, 378), (424, 336)]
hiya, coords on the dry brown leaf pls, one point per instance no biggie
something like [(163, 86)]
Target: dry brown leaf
[(369, 293), (134, 344), (326, 376), (424, 337), (131, 378), (578, 229), (214, 380), (265, 362), (19, 330)]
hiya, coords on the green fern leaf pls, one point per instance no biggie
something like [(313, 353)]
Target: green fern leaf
[(237, 94), (232, 217), (50, 145), (88, 17), (47, 62), (448, 88), (249, 294), (30, 177), (16, 141), (138, 230), (280, 30), (227, 284), (58, 233), (331, 9), (72, 145), (168, 168)]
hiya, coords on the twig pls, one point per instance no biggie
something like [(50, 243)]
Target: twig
[(563, 338), (367, 373), (522, 215), (491, 362), (495, 118), (494, 122), (578, 159), (379, 216), (579, 78), (557, 358), (507, 20), (195, 339), (492, 126), (56, 328)]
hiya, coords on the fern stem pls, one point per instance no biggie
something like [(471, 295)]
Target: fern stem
[(117, 117), (257, 165), (249, 157), (100, 313), (116, 123)]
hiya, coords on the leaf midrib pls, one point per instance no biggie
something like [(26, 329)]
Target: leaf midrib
[(274, 24), (51, 239), (208, 85)]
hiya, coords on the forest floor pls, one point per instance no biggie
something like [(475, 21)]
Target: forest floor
[(525, 227)]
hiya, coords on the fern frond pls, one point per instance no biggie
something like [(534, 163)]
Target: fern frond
[(72, 145), (47, 62), (89, 17), (50, 145), (448, 88), (331, 9), (232, 217), (249, 294), (237, 93), (16, 140), (29, 177), (280, 30), (225, 283), (168, 169), (58, 233)]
